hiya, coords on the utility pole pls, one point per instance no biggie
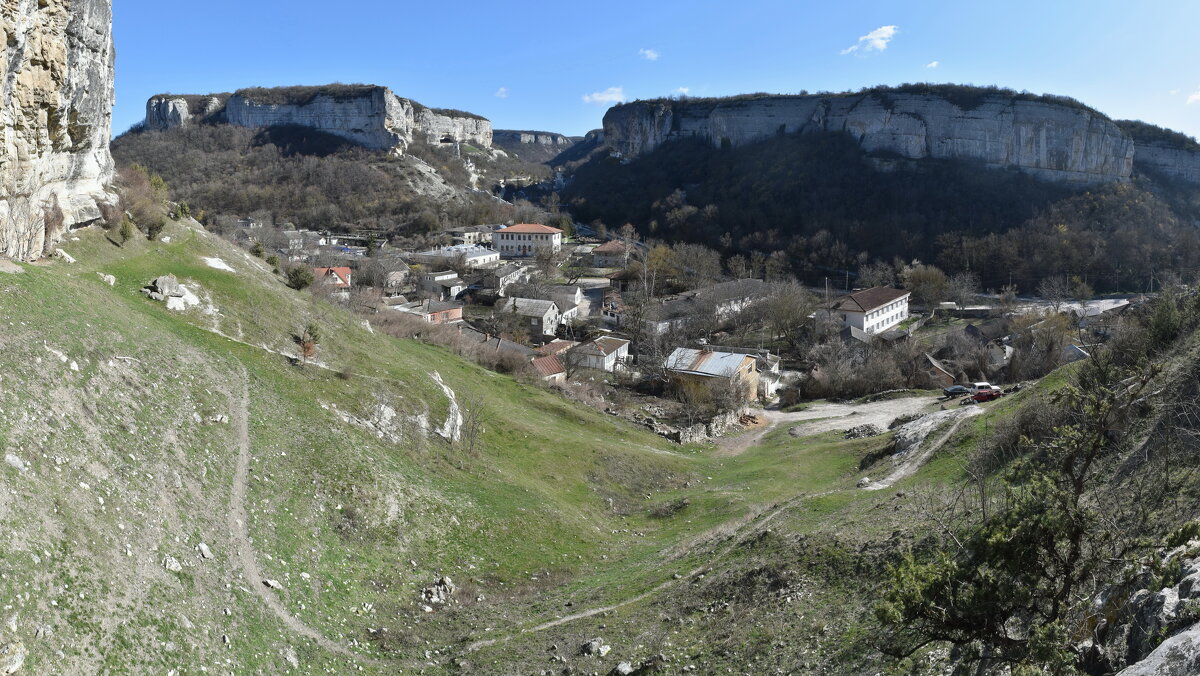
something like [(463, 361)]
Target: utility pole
[(826, 290), (847, 280)]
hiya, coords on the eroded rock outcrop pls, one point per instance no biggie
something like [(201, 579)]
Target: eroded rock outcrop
[(55, 120), (1053, 139), (370, 116)]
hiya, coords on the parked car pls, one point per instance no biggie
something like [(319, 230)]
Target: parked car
[(975, 387), (956, 391), (992, 392)]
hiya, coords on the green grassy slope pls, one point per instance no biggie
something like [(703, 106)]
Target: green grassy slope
[(125, 419)]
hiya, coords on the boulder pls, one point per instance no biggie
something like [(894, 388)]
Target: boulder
[(172, 564), (272, 584), (595, 648), (1176, 656), (15, 462), (205, 552), (107, 279), (439, 592), (168, 286), (12, 657)]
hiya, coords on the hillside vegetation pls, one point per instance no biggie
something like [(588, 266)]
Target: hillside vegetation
[(320, 181), (827, 207)]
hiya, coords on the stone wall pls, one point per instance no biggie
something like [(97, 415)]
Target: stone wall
[(55, 120), (1053, 141)]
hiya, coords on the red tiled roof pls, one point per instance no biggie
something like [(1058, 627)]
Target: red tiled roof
[(530, 229), (868, 300), (548, 366), (342, 276)]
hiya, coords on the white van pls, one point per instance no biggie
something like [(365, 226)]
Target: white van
[(976, 387)]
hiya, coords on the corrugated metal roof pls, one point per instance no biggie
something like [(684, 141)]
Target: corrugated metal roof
[(548, 366), (705, 362)]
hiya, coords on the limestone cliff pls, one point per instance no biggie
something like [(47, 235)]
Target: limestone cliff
[(373, 117), (542, 138), (1163, 152), (1055, 139), (55, 120)]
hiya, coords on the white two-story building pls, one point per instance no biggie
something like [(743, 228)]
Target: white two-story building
[(873, 310), (527, 239)]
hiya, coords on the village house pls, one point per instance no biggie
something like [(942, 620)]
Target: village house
[(503, 277), (719, 302), (474, 234), (333, 278), (527, 239), (444, 285), (490, 343), (557, 346), (397, 280), (874, 310), (433, 311), (550, 369), (249, 223), (697, 372), (770, 374), (468, 255), (606, 353), (291, 241), (542, 316), (611, 254)]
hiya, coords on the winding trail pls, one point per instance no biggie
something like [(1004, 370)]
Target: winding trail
[(657, 589), (825, 417), (239, 529)]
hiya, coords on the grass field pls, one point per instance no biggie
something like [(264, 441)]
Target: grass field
[(352, 504)]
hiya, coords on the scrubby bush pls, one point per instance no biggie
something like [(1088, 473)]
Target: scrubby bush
[(299, 277)]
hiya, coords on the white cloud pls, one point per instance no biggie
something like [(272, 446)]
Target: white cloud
[(1194, 98), (933, 64), (683, 90), (649, 54), (1173, 92), (610, 95), (875, 41), (502, 93)]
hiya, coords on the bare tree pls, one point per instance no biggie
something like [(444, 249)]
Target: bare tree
[(1055, 291), (876, 274), (962, 288)]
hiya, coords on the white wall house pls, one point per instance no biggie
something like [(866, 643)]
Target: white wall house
[(873, 310), (541, 316), (442, 285), (526, 239), (607, 353)]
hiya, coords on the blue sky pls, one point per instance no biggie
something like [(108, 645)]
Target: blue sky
[(558, 66)]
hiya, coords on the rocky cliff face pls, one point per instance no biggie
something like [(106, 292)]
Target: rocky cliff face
[(1173, 161), (55, 120), (1048, 139), (541, 138), (372, 117)]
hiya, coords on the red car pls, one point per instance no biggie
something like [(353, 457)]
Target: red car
[(989, 394)]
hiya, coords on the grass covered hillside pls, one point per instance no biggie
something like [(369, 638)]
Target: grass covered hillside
[(180, 491), (133, 435)]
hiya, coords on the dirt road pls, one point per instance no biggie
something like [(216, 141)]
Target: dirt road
[(824, 417)]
